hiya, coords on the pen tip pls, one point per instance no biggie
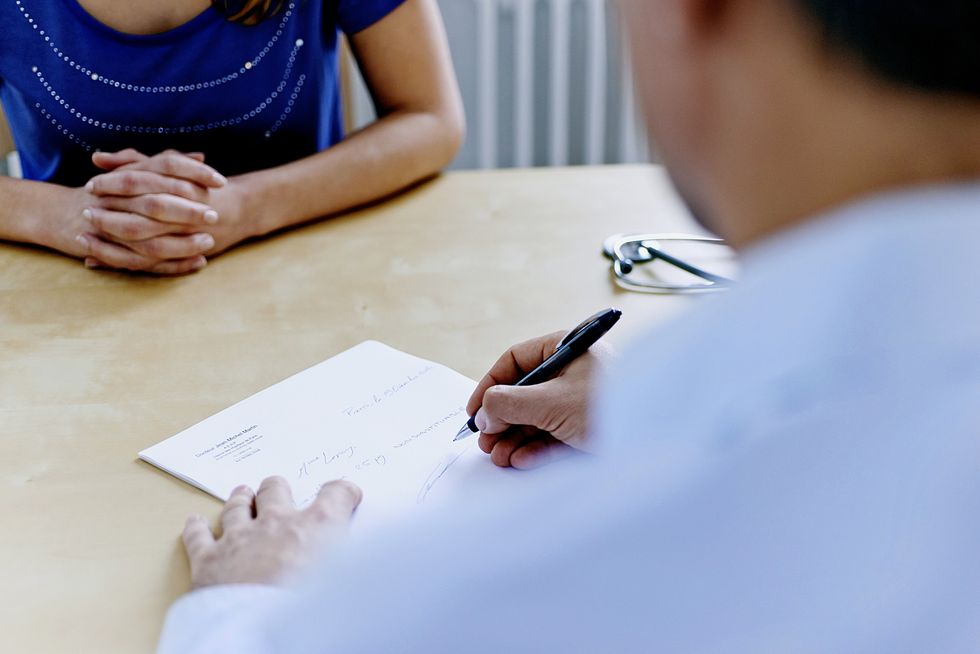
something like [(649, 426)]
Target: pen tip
[(463, 433)]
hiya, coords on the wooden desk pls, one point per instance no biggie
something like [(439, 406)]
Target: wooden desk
[(97, 366)]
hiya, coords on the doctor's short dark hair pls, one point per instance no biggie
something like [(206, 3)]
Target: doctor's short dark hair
[(933, 45)]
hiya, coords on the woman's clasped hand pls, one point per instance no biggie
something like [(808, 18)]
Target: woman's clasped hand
[(279, 151), (162, 214)]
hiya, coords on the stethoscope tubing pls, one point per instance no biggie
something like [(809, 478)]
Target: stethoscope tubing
[(623, 265)]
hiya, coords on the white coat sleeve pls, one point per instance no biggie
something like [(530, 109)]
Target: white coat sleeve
[(231, 618)]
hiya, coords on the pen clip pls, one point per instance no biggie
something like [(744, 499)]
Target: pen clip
[(582, 327)]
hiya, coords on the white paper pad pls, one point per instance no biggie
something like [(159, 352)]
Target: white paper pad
[(376, 416)]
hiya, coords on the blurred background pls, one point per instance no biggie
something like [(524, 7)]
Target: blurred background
[(545, 83), (7, 158)]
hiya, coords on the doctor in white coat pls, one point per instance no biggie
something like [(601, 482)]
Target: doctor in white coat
[(793, 467)]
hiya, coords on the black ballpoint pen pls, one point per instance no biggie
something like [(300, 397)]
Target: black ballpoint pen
[(577, 343)]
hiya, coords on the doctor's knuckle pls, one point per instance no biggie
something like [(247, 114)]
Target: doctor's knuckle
[(322, 511), (493, 398), (276, 514), (275, 481), (347, 491)]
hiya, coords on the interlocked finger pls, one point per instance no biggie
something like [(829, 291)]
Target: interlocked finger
[(163, 207), (167, 247), (133, 182), (114, 255), (126, 226)]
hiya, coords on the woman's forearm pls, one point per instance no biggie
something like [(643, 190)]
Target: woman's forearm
[(402, 148), (407, 66), (31, 211), (399, 150)]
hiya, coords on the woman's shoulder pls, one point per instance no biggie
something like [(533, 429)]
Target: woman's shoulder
[(352, 16)]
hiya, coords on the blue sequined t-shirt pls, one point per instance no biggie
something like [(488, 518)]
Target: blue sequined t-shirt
[(248, 97)]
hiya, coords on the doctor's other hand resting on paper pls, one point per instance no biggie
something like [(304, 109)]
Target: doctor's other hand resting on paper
[(529, 426), (264, 536)]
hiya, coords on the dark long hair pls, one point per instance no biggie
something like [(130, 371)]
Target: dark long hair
[(248, 12)]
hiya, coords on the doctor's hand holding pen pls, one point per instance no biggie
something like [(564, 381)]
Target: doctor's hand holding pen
[(528, 426)]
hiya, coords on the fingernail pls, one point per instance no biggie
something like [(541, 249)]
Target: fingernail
[(210, 216), (91, 264), (82, 240), (205, 240), (219, 179), (90, 186), (201, 264), (87, 214), (481, 420)]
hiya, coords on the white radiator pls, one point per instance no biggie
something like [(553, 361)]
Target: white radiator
[(545, 82)]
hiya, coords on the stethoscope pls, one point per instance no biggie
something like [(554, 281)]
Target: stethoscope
[(626, 251)]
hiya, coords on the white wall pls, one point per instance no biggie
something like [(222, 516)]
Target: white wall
[(623, 138)]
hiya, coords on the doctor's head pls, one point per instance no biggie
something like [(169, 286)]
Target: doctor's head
[(769, 111)]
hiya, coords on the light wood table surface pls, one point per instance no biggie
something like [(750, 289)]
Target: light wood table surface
[(94, 367)]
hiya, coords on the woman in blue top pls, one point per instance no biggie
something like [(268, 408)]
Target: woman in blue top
[(104, 97)]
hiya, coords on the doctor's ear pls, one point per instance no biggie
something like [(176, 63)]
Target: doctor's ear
[(678, 23)]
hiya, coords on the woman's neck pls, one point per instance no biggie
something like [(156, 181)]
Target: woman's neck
[(144, 16)]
